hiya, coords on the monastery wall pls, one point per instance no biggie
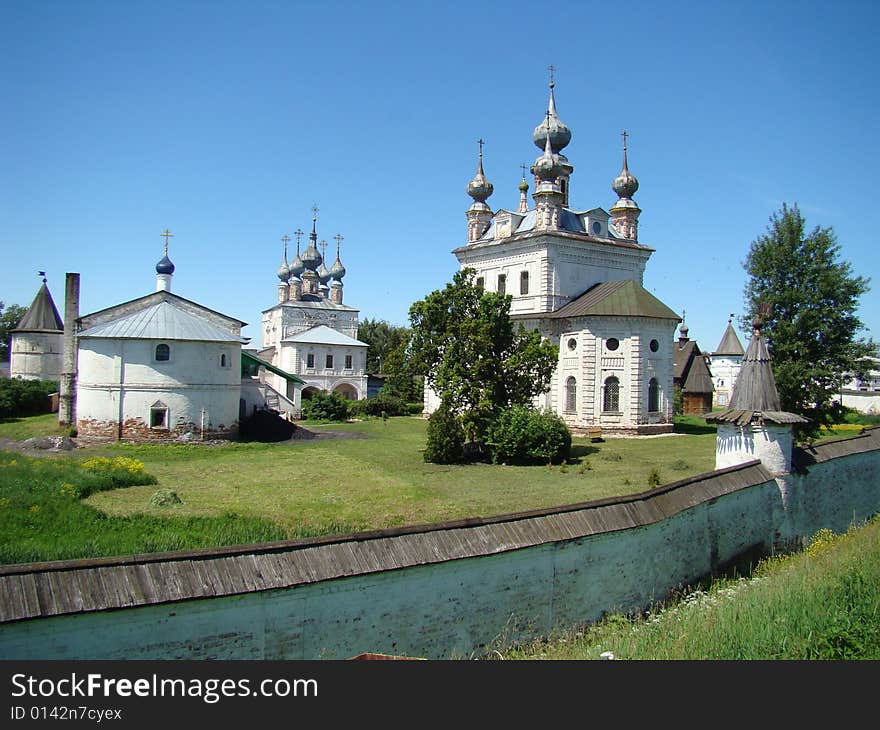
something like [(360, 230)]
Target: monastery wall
[(440, 591), (35, 355)]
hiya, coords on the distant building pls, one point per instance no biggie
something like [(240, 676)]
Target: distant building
[(310, 333), (692, 375), (576, 275), (158, 367), (36, 342), (863, 394), (725, 364)]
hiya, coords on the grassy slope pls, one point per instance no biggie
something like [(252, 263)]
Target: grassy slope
[(823, 603)]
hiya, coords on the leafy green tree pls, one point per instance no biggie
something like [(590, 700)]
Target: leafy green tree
[(382, 337), (10, 316), (472, 356), (810, 298)]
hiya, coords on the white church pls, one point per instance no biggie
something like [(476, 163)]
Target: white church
[(310, 333), (576, 275)]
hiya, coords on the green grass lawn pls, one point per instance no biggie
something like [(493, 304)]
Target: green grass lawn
[(379, 478), (245, 492)]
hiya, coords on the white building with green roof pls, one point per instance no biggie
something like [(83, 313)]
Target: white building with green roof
[(576, 275)]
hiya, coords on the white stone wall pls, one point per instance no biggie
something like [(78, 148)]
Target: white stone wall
[(120, 380), (724, 371), (865, 401), (771, 444), (294, 359), (35, 356)]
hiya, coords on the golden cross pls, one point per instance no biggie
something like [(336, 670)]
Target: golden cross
[(166, 235)]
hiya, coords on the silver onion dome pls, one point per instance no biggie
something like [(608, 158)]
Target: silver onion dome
[(552, 128), (625, 184), (480, 188)]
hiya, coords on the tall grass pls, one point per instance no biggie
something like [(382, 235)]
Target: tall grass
[(822, 603), (42, 517)]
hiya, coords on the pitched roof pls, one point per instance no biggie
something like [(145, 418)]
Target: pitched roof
[(42, 316), (690, 369), (616, 298), (755, 398), (245, 355), (163, 320), (730, 344), (321, 334)]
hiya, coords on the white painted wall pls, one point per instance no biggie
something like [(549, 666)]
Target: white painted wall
[(771, 444), (35, 355), (119, 379)]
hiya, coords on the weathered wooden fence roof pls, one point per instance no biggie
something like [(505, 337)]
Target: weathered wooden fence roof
[(74, 586)]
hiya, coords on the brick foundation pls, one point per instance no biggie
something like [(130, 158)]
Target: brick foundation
[(136, 429)]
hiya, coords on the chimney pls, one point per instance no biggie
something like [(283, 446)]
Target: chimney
[(67, 383)]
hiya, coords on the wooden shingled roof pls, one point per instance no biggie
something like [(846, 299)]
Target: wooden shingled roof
[(42, 315), (76, 586), (755, 398), (690, 370)]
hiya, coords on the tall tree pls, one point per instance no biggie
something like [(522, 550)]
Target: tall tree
[(10, 316), (472, 356), (812, 327), (382, 337)]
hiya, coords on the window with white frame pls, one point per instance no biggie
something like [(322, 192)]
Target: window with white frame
[(611, 395)]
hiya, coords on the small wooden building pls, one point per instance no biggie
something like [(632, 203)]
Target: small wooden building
[(691, 375)]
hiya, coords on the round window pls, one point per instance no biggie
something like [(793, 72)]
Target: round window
[(572, 344), (612, 343), (654, 345)]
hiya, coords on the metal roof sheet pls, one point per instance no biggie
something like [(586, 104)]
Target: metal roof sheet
[(161, 321), (321, 334), (616, 298)]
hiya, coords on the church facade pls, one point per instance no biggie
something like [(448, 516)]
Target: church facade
[(310, 332), (158, 367), (576, 275)]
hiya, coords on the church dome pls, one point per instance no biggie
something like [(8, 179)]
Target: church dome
[(283, 271), (523, 186), (625, 184), (553, 128), (548, 166), (311, 257), (337, 271), (297, 267), (323, 274), (165, 266), (480, 188)]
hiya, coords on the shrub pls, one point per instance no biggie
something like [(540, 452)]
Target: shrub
[(524, 435), (654, 477), (326, 407), (388, 404), (445, 442), (25, 397)]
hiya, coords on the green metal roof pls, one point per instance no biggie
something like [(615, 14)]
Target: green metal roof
[(616, 298), (271, 368)]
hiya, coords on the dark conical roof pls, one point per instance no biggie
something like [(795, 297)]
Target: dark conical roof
[(730, 344), (42, 316), (755, 398)]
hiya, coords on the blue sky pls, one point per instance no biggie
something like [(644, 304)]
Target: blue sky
[(226, 121)]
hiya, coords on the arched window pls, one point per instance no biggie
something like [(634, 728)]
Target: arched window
[(224, 361), (653, 395), (611, 395), (571, 391), (163, 353), (524, 282)]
